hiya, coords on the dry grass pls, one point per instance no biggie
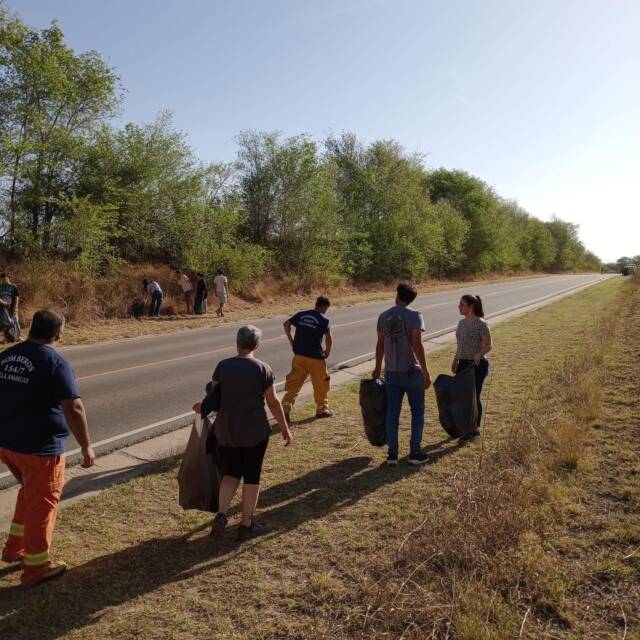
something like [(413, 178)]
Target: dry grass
[(469, 546), (100, 309)]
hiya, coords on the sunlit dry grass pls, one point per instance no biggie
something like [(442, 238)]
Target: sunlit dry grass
[(469, 546)]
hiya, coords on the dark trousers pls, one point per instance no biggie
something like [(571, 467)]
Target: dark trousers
[(481, 373), (156, 301)]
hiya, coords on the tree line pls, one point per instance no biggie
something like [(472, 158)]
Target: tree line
[(75, 186)]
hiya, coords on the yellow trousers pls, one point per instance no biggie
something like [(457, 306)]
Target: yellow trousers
[(301, 368)]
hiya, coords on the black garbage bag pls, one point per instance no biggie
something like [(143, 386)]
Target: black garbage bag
[(457, 402), (373, 402)]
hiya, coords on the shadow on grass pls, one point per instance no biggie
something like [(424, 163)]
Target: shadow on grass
[(79, 598)]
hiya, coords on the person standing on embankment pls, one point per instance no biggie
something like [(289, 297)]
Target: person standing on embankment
[(220, 283), (9, 300)]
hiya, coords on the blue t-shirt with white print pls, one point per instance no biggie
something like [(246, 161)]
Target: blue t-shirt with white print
[(34, 379), (311, 326)]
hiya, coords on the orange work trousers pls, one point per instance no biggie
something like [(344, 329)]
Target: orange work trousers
[(41, 480)]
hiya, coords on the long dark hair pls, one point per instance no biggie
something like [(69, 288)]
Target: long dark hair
[(476, 302)]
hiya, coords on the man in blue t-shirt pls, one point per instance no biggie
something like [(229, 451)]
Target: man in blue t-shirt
[(40, 405), (405, 370), (310, 357)]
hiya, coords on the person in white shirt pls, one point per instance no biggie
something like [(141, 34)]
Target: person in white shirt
[(152, 288), (187, 290), (220, 283)]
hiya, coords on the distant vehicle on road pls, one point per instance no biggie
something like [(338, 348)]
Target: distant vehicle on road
[(628, 270)]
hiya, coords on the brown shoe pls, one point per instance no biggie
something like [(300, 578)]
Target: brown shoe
[(54, 570), (324, 414)]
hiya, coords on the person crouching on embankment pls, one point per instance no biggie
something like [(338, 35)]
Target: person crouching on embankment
[(153, 292), (242, 428), (310, 358), (40, 403), (474, 342), (405, 370)]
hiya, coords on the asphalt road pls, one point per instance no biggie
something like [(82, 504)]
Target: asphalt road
[(131, 384)]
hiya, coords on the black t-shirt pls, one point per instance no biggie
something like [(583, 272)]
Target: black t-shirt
[(310, 326), (242, 419), (9, 293)]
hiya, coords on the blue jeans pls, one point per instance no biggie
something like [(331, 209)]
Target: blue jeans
[(397, 384), (156, 302)]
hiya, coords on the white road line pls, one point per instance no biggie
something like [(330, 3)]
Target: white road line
[(440, 332), (155, 425), (201, 354)]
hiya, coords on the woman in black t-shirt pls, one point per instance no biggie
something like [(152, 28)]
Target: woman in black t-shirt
[(242, 428)]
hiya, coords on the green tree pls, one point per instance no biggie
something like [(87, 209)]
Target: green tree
[(569, 249), (212, 241), (52, 100), (391, 229), (289, 204), (148, 174), (479, 206), (538, 246)]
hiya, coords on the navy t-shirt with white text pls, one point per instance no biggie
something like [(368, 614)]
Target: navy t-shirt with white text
[(34, 379), (310, 326)]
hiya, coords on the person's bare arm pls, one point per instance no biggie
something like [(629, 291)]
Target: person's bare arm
[(418, 349), (328, 343), (16, 302), (77, 420), (287, 330), (487, 345), (377, 372), (278, 413), (456, 357)]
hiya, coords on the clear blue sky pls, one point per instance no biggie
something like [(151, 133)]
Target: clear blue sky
[(540, 99)]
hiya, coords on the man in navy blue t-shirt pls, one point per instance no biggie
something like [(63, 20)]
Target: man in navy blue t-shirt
[(310, 357), (40, 405)]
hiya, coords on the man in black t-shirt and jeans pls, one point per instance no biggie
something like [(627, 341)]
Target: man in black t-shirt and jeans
[(9, 298), (310, 358)]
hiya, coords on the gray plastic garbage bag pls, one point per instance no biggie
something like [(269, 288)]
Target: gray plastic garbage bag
[(198, 477), (457, 402), (9, 325), (373, 402)]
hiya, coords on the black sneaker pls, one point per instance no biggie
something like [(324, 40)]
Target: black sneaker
[(253, 530), (418, 458), (470, 436), (218, 526), (392, 460)]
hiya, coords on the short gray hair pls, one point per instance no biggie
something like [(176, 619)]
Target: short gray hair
[(249, 337)]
